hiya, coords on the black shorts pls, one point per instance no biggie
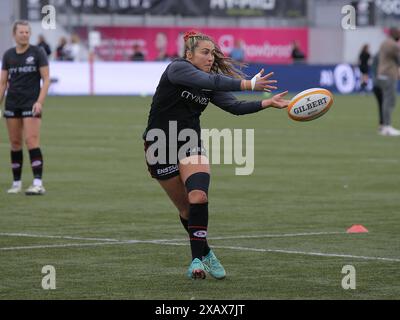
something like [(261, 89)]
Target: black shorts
[(20, 112), (170, 169), (19, 108)]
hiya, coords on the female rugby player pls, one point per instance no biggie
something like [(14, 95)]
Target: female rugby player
[(23, 67), (186, 87)]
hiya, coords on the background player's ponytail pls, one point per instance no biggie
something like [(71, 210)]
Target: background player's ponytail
[(222, 64)]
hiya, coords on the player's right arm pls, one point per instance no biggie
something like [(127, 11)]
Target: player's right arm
[(3, 84), (3, 77), (185, 74)]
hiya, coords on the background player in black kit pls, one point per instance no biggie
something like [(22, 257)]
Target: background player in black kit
[(22, 69), (185, 88)]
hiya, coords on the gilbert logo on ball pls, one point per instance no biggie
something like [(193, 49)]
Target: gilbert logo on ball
[(310, 104)]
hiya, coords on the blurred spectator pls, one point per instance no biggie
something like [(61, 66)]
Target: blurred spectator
[(73, 49), (297, 54), (161, 44), (363, 63), (43, 44), (237, 52), (137, 54), (376, 89), (61, 54), (387, 77), (180, 46)]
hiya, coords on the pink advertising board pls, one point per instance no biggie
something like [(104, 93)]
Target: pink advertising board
[(264, 45)]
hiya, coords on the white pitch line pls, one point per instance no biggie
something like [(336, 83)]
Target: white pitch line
[(44, 236), (309, 253), (66, 245), (60, 246), (336, 255), (275, 235), (28, 235)]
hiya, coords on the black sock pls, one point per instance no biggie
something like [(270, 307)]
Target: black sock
[(16, 164), (36, 163), (197, 225), (185, 225)]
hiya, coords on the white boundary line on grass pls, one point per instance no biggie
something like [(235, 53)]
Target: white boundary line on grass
[(283, 235), (310, 253), (184, 244), (66, 245), (336, 255), (29, 235), (168, 242)]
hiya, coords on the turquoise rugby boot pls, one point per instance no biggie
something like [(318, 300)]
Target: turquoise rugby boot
[(196, 270), (213, 266)]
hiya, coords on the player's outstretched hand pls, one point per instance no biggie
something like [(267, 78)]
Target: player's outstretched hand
[(263, 83), (260, 82), (277, 101)]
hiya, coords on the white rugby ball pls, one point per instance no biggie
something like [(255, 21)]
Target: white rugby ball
[(310, 104)]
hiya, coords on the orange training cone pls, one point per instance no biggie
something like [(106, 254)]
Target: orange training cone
[(357, 228)]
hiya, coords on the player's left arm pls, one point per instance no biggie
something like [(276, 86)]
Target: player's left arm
[(45, 75), (228, 102)]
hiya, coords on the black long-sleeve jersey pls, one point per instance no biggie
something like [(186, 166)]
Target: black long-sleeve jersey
[(184, 92)]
